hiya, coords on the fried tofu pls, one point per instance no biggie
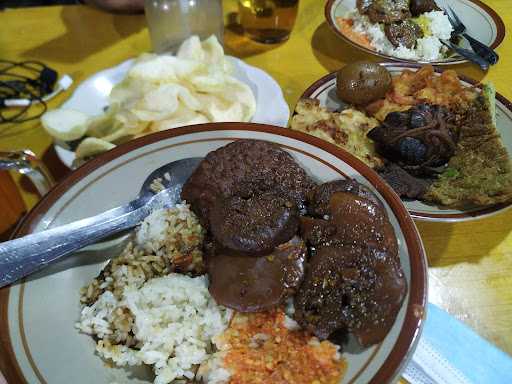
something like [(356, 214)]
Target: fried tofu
[(346, 129)]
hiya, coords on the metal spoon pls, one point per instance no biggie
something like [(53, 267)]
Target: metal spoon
[(26, 255), (470, 55)]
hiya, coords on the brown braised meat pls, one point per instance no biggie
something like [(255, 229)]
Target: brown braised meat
[(354, 280), (352, 220), (353, 287), (404, 184), (245, 168), (255, 284), (320, 196), (404, 33), (388, 11), (417, 139), (247, 195), (255, 225), (418, 7)]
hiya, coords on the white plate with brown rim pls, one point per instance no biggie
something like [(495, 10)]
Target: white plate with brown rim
[(324, 90), (39, 343), (481, 21)]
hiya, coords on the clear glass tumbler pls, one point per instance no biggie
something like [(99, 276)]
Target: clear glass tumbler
[(268, 21), (172, 21)]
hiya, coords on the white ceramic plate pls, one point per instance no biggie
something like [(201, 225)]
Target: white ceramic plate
[(91, 96), (325, 91), (37, 316), (481, 22)]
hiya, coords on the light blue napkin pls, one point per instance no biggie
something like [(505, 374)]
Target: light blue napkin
[(450, 352)]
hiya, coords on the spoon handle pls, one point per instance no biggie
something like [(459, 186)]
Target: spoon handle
[(23, 256), (470, 55), (482, 50)]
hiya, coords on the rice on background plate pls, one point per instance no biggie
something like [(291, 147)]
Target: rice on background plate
[(434, 24)]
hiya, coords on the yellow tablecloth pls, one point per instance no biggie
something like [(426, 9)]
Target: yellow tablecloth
[(470, 263)]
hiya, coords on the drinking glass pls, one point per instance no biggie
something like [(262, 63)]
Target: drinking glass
[(170, 22), (268, 21), (12, 206)]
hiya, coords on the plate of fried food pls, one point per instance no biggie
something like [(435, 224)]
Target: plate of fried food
[(284, 260), (413, 31), (442, 141), (199, 84)]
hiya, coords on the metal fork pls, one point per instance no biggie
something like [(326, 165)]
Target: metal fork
[(460, 29)]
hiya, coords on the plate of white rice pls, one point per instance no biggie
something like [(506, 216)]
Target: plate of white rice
[(356, 29), (136, 308)]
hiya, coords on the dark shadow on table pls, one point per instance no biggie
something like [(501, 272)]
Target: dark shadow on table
[(329, 49), (84, 36), (470, 70)]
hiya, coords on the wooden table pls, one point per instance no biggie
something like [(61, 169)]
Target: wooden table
[(470, 263)]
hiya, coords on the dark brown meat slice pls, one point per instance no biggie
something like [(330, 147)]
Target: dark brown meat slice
[(255, 284), (418, 7), (357, 288), (404, 184), (353, 220), (404, 33), (245, 168), (354, 281), (395, 124), (255, 225), (320, 196), (388, 11)]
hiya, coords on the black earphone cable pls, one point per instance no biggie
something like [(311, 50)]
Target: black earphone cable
[(16, 83)]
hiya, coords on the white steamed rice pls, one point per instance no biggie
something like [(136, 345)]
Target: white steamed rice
[(428, 48), (174, 232), (141, 313)]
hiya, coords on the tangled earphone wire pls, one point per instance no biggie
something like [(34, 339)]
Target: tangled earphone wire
[(23, 85)]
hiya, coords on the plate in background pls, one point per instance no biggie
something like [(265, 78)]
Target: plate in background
[(324, 90), (481, 21)]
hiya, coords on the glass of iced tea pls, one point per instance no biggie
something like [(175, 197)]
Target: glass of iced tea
[(12, 206), (268, 21)]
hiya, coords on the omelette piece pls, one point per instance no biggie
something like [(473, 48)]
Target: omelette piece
[(346, 129), (480, 172)]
